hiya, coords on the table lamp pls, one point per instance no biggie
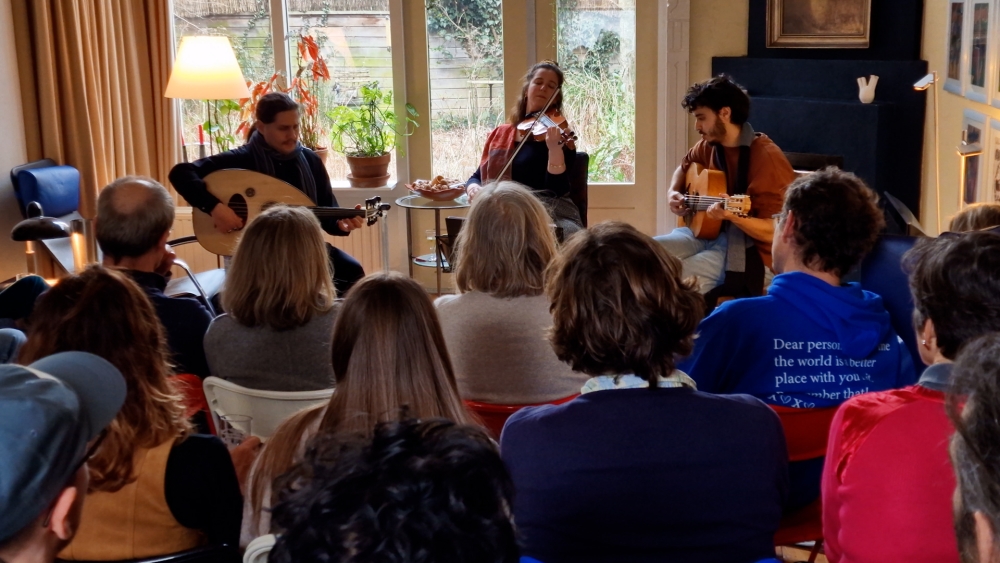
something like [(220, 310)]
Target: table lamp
[(206, 69)]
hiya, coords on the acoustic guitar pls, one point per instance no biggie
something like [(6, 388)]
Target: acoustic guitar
[(705, 188), (249, 193)]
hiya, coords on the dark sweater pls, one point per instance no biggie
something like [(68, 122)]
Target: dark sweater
[(186, 177), (185, 321), (202, 491), (530, 167), (668, 474)]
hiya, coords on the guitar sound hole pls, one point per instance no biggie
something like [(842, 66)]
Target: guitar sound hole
[(239, 206)]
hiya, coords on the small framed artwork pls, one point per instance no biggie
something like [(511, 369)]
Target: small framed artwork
[(970, 150), (955, 47), (992, 190), (979, 69), (818, 24)]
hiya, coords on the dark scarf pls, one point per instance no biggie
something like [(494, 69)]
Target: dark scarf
[(264, 157), (744, 266)]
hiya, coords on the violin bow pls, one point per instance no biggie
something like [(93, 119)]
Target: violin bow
[(528, 133)]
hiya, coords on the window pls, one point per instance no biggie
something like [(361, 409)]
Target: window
[(247, 23), (355, 42), (596, 49), (465, 43)]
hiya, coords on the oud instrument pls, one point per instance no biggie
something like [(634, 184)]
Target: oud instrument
[(250, 193), (704, 188)]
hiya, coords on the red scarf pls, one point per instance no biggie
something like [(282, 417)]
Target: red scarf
[(499, 147)]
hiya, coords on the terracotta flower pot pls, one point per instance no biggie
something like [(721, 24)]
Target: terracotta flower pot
[(368, 171), (323, 153)]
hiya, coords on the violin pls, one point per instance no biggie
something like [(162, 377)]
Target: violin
[(538, 125)]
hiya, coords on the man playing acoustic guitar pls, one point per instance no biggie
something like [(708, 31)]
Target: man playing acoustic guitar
[(753, 165)]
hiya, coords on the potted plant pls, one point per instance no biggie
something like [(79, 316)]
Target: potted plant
[(366, 133)]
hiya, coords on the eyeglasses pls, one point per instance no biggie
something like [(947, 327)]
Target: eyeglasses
[(953, 234), (91, 452), (778, 218)]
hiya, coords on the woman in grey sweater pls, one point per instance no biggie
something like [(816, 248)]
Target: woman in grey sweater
[(496, 327), (279, 299)]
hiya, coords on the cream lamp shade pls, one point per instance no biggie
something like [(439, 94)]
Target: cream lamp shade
[(206, 69)]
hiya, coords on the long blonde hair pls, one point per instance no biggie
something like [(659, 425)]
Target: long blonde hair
[(388, 355), (105, 313), (505, 244), (280, 274)]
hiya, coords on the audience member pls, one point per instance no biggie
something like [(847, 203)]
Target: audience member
[(155, 489), (495, 327), (18, 299), (428, 491), (388, 353), (11, 341), (976, 216), (134, 218), (887, 487), (642, 466), (974, 408), (812, 341), (279, 301), (52, 416)]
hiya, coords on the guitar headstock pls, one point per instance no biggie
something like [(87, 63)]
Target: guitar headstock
[(374, 208), (738, 205)]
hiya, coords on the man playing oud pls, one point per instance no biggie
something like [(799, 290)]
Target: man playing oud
[(753, 165)]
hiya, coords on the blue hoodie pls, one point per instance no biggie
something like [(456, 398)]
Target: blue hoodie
[(806, 344)]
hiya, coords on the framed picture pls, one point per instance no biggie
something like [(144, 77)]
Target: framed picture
[(818, 24), (992, 191), (979, 71), (955, 47), (971, 152)]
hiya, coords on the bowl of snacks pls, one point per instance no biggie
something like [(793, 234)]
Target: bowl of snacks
[(438, 189)]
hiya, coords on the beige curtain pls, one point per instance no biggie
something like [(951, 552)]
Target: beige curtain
[(92, 76)]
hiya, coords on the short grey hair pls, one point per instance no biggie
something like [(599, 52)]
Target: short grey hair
[(133, 212)]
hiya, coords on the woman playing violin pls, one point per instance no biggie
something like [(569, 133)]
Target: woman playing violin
[(542, 162)]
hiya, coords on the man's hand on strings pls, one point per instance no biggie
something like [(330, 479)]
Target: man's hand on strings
[(717, 211), (676, 202), (348, 225), (226, 220)]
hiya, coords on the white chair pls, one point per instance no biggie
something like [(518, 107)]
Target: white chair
[(267, 409), (258, 550)]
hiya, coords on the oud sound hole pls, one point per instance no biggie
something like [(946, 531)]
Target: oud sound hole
[(238, 204)]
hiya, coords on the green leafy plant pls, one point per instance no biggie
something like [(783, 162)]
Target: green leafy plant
[(223, 127), (370, 129)]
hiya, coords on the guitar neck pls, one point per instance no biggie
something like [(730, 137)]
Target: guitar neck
[(336, 212), (700, 202)]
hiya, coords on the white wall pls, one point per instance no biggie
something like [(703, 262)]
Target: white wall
[(12, 147)]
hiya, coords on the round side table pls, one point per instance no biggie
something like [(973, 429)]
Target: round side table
[(435, 259)]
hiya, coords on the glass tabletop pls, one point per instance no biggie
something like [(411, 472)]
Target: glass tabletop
[(420, 202)]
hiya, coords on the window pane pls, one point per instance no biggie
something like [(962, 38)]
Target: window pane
[(247, 23), (354, 40), (465, 42), (596, 49)]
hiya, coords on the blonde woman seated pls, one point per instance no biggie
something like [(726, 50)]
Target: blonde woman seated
[(975, 217), (388, 356), (155, 489), (279, 302), (495, 327)]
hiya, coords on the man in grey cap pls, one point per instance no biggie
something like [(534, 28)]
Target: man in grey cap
[(52, 417)]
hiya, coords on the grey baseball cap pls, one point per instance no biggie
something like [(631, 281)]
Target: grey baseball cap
[(49, 411)]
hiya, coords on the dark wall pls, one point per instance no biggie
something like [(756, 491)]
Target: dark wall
[(896, 30)]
